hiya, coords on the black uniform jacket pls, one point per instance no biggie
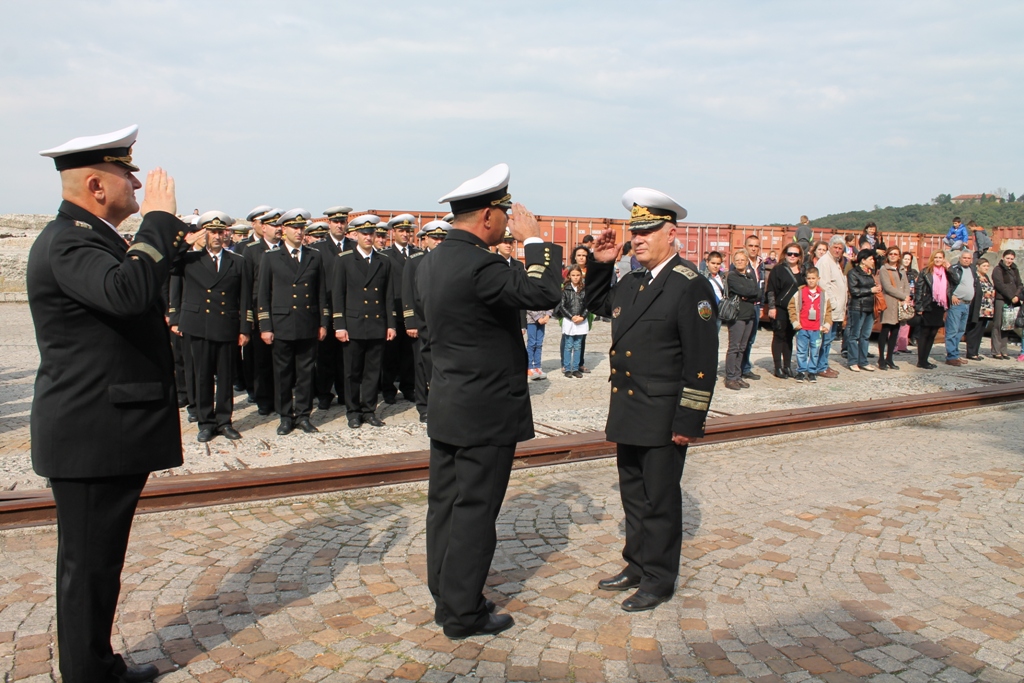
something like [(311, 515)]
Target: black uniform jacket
[(664, 355), (471, 303), (293, 294), (212, 304), (363, 295), (398, 264), (412, 306), (105, 402), (253, 256), (329, 250)]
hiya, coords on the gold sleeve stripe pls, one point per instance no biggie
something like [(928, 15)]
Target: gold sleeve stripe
[(339, 315), (264, 316), (536, 268), (695, 405), (408, 314), (147, 249), (696, 393)]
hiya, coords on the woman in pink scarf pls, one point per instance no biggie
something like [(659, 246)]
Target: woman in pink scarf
[(931, 299)]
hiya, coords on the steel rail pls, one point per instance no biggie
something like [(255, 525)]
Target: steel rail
[(29, 508)]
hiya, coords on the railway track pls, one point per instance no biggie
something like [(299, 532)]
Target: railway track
[(29, 508)]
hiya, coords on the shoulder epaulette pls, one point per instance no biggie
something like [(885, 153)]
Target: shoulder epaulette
[(342, 253), (683, 270), (235, 254), (415, 254), (83, 224)]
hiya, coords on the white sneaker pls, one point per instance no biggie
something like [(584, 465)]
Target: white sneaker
[(539, 374)]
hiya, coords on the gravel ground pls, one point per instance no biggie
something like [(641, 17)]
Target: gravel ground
[(573, 405)]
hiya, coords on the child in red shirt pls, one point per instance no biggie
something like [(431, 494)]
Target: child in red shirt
[(811, 314)]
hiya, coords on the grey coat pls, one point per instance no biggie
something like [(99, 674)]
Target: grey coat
[(896, 288)]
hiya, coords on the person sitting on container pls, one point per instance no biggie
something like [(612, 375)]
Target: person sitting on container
[(956, 238)]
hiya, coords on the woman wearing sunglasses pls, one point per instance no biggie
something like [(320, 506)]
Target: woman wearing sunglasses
[(783, 282)]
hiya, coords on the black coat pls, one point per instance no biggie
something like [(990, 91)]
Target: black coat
[(664, 354), (329, 250), (398, 263), (1006, 281), (745, 287), (412, 307), (471, 302), (363, 295), (859, 284), (105, 401), (293, 294), (211, 304), (572, 303), (253, 256)]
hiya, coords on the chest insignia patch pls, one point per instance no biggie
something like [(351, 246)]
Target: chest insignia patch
[(704, 310), (617, 311)]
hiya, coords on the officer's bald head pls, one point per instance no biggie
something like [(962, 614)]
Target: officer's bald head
[(106, 190)]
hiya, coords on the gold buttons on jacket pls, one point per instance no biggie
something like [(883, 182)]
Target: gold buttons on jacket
[(208, 291), (614, 371), (615, 390), (207, 301), (613, 352), (627, 374), (365, 301), (628, 354), (630, 392)]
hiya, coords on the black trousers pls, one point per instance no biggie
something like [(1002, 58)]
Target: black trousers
[(975, 332), (94, 519), (421, 359), (263, 373), (362, 372), (888, 335), (213, 363), (236, 369), (248, 367), (653, 504), (180, 381), (330, 369), (467, 486), (293, 376), (925, 339), (399, 364), (782, 341), (190, 373)]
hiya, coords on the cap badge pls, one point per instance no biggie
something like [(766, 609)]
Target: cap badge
[(704, 310), (617, 311), (641, 214), (126, 159)]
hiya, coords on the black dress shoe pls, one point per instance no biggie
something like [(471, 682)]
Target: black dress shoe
[(975, 358), (391, 400), (285, 427), (642, 601), (193, 418), (892, 366), (230, 432), (496, 623), (423, 418), (239, 388), (780, 374), (250, 399), (323, 404), (354, 422), (182, 402), (619, 582), (264, 411), (373, 420), (206, 435), (927, 366), (307, 427), (439, 619), (138, 674)]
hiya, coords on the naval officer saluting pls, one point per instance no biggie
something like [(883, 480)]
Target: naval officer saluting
[(479, 402), (664, 360), (293, 317), (104, 412), (211, 301)]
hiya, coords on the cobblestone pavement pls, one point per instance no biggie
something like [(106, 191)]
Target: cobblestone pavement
[(889, 554), (559, 405)]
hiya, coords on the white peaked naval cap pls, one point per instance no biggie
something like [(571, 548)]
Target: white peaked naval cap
[(489, 189), (648, 208), (113, 147)]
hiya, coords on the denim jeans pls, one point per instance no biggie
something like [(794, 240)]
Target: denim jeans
[(826, 347), (808, 344), (571, 355), (956, 325), (858, 331), (534, 344)]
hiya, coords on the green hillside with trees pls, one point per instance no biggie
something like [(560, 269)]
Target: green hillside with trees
[(936, 216)]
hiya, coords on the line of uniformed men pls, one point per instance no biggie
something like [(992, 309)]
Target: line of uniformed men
[(326, 302)]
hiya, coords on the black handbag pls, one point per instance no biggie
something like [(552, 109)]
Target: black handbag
[(729, 306)]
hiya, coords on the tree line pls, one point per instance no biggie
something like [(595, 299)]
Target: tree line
[(991, 212)]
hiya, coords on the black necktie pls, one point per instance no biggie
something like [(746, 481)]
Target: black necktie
[(295, 254)]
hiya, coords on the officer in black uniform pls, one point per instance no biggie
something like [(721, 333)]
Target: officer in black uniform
[(506, 249), (432, 234), (330, 356), (244, 368), (263, 387), (104, 412), (399, 364), (293, 317), (363, 318), (664, 360), (183, 371), (211, 294), (479, 403)]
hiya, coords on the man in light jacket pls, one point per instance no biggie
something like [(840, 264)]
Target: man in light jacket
[(834, 283)]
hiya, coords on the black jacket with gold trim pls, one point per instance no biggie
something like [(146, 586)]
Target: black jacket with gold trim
[(363, 295), (293, 294), (664, 353), (209, 303)]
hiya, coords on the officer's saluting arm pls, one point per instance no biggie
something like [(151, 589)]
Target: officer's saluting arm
[(698, 335), (597, 296), (535, 288)]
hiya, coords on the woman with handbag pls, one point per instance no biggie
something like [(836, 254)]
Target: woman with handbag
[(783, 282), (908, 328), (896, 289), (1006, 280), (743, 290), (860, 281), (931, 299)]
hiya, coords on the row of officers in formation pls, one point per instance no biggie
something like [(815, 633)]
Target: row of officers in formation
[(299, 311), (104, 413)]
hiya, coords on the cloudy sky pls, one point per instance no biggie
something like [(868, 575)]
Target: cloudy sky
[(745, 112)]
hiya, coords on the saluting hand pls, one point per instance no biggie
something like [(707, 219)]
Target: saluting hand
[(522, 223), (606, 249), (159, 193), (197, 237)]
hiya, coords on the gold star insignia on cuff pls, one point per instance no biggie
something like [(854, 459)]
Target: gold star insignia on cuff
[(700, 375)]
